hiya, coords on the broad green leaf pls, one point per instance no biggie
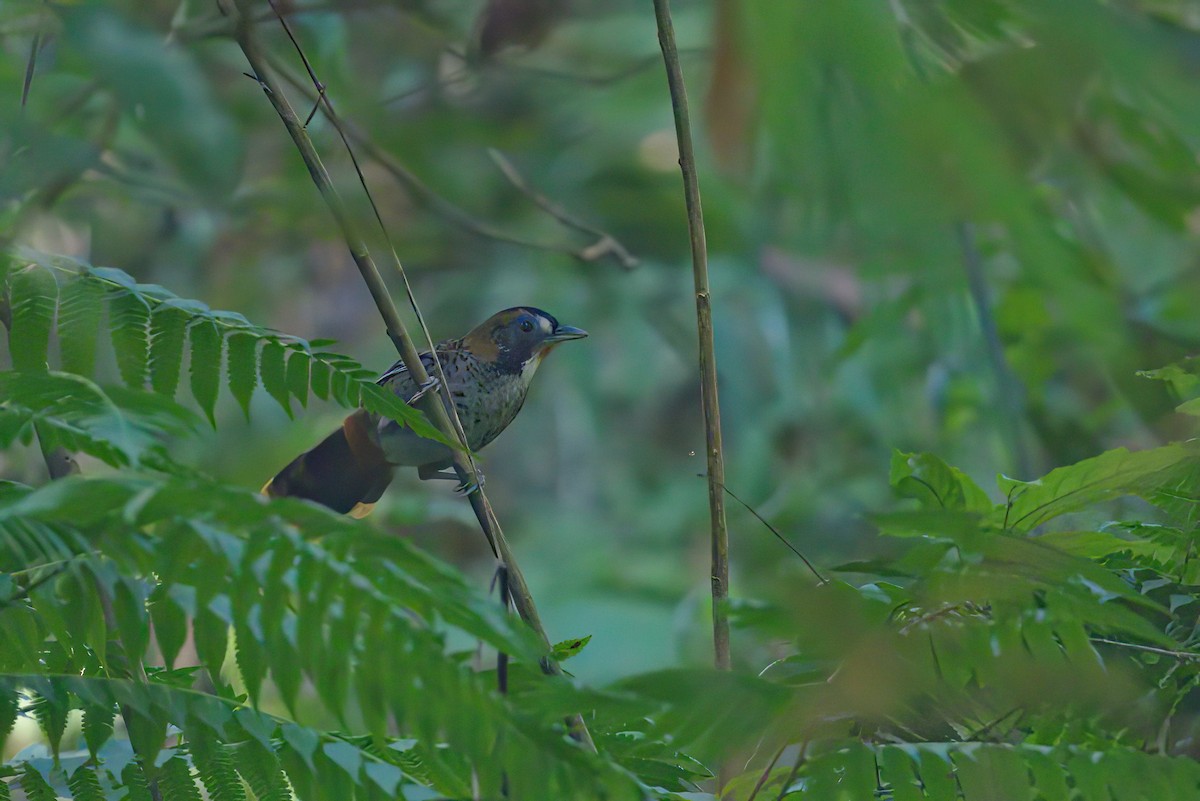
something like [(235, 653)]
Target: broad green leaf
[(1088, 774), (1183, 376), (935, 484), (1099, 544), (1167, 476), (937, 776), (163, 92), (898, 772), (569, 648), (1048, 776)]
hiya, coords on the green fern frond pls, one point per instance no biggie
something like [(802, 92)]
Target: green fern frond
[(98, 725), (175, 780), (978, 770), (118, 426), (129, 319), (242, 356), (262, 772), (50, 711), (205, 365), (34, 296), (148, 326), (133, 779), (85, 783), (35, 785), (168, 330), (297, 377), (214, 764), (274, 374), (9, 707), (80, 309), (310, 594)]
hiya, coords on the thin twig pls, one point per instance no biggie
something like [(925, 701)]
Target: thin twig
[(224, 25), (799, 763), (604, 244), (30, 66), (432, 200), (704, 326), (776, 532), (987, 727), (1186, 655), (638, 66), (34, 49), (431, 403), (766, 774)]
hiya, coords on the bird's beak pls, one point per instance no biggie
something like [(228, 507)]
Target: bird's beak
[(566, 332)]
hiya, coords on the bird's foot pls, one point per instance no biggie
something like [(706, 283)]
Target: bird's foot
[(424, 389), (473, 486), (429, 473)]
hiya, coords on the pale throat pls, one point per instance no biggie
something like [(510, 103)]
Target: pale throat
[(530, 367)]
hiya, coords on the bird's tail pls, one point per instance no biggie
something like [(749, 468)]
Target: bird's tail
[(346, 472)]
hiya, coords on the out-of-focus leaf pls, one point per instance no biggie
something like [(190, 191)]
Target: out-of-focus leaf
[(1168, 475), (935, 484), (164, 91)]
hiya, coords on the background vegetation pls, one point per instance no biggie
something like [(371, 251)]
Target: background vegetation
[(957, 228)]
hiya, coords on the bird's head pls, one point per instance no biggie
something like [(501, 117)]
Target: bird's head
[(516, 339)]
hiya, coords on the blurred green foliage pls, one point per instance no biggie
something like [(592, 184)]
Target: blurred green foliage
[(963, 227)]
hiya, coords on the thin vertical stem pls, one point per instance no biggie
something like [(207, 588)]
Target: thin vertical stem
[(704, 326)]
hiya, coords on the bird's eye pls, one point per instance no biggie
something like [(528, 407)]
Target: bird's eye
[(527, 326)]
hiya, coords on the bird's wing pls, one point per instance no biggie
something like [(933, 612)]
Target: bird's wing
[(397, 379), (400, 444)]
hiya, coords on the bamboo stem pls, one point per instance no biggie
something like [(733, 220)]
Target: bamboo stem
[(704, 326)]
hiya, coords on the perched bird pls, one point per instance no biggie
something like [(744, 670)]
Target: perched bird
[(487, 377)]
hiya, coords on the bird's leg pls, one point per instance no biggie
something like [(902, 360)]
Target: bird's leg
[(424, 389), (437, 470)]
